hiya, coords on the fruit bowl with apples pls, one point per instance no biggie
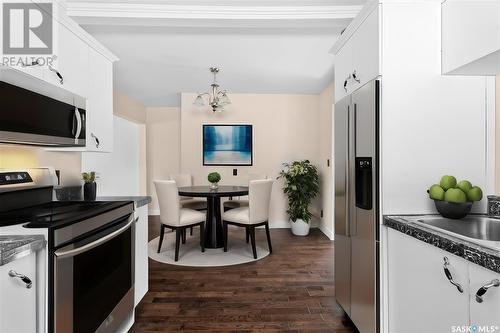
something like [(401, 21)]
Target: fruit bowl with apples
[(454, 199)]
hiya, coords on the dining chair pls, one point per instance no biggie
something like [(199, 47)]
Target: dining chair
[(242, 201), (182, 180), (254, 215), (175, 217)]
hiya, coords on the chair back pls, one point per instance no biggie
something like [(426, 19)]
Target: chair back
[(256, 176), (182, 179), (168, 200), (259, 197)]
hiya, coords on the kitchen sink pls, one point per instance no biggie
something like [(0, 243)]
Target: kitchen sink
[(478, 227)]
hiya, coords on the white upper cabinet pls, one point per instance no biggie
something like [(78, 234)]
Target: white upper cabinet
[(70, 69), (357, 60), (422, 298), (471, 37), (99, 103), (484, 297)]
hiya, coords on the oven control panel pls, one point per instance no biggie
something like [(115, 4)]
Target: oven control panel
[(16, 177)]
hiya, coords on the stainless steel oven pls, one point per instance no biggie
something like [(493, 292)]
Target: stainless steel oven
[(94, 273)]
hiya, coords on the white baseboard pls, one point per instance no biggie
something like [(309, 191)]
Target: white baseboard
[(154, 211), (328, 233)]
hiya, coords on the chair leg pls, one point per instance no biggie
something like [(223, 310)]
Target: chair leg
[(225, 235), (162, 231), (247, 230), (191, 231), (268, 238), (252, 238), (177, 242), (202, 237), (184, 236)]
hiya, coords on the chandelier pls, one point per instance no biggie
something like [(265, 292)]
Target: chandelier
[(217, 98)]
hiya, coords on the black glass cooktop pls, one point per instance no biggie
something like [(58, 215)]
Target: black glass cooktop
[(57, 213)]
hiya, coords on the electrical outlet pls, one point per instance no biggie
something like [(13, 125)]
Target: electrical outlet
[(328, 162), (235, 172), (321, 213)]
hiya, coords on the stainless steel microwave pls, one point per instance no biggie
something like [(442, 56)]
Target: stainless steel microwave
[(27, 117)]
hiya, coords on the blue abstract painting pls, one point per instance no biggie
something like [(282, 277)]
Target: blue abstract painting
[(227, 145)]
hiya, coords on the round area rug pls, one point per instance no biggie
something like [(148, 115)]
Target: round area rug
[(238, 252)]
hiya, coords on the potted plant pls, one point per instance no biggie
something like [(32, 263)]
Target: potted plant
[(214, 179), (89, 186), (301, 185)]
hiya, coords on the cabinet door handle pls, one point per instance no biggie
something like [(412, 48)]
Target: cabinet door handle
[(52, 69), (24, 278), (481, 291), (449, 276), (96, 139), (346, 81), (355, 77)]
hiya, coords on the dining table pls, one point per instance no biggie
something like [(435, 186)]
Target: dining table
[(213, 224)]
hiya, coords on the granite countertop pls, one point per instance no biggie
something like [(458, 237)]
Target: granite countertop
[(139, 200), (485, 254), (15, 247)]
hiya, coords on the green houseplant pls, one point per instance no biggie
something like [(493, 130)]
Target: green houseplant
[(214, 179), (301, 185), (89, 186)]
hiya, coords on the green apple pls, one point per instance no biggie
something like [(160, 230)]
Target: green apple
[(436, 192), (448, 182), (475, 194), (455, 195), (464, 185)]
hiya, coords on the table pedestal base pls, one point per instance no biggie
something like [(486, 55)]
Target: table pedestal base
[(213, 226)]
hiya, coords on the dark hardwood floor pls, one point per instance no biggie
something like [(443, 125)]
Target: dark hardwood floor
[(289, 291)]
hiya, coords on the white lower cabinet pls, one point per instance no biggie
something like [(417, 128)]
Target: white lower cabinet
[(141, 254), (485, 309), (421, 297), (18, 304)]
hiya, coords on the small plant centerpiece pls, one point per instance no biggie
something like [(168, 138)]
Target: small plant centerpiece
[(301, 185), (214, 179), (89, 186)]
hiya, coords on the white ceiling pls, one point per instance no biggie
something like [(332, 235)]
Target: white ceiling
[(161, 59)]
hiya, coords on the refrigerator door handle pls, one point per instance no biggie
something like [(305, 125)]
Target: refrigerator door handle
[(352, 178), (347, 180)]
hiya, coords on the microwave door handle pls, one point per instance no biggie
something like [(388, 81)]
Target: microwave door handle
[(78, 117), (89, 246)]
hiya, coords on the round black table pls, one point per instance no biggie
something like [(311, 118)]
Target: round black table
[(213, 225)]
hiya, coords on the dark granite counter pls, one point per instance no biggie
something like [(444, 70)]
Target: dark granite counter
[(16, 247), (139, 200), (474, 251)]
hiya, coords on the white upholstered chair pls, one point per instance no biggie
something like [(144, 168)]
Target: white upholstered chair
[(254, 215), (175, 217), (242, 201), (182, 180), (185, 179)]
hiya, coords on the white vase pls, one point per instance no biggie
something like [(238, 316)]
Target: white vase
[(300, 228)]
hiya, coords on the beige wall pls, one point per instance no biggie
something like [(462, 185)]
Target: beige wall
[(326, 103), (12, 156), (127, 108), (285, 128), (163, 147)]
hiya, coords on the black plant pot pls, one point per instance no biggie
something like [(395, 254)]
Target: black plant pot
[(89, 191)]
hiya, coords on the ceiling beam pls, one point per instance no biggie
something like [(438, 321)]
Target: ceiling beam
[(89, 11)]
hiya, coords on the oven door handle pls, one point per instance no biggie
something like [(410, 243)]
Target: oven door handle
[(89, 246)]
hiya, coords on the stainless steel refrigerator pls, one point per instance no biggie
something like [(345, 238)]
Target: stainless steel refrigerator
[(356, 158)]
